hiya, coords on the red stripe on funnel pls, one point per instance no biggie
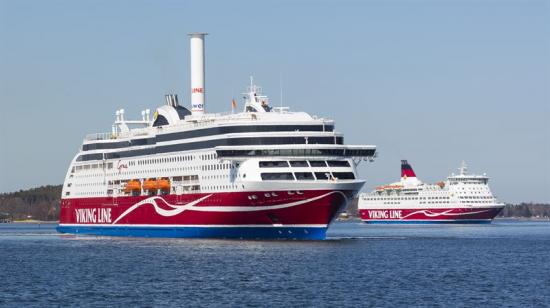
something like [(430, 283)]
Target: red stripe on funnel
[(406, 170)]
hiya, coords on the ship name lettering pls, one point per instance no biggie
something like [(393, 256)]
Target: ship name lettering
[(93, 215), (378, 214), (396, 214), (385, 214)]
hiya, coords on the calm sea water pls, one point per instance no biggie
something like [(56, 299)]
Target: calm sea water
[(506, 263)]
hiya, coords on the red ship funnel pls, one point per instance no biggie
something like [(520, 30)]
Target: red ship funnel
[(407, 170)]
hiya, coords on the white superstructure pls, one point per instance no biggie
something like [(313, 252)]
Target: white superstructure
[(198, 152)]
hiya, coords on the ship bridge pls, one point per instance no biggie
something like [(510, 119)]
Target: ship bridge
[(465, 178)]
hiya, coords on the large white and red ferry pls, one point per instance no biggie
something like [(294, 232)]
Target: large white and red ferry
[(462, 198), (265, 172)]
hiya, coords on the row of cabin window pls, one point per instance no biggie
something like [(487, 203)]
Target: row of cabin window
[(86, 193), (85, 184), (217, 167), (91, 175), (184, 178), (173, 159), (215, 177), (421, 202), (408, 198), (179, 168), (92, 166), (301, 176), (303, 163), (208, 156), (220, 187), (475, 188), (475, 197), (472, 192)]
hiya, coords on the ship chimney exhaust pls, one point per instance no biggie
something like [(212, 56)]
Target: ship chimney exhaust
[(197, 73)]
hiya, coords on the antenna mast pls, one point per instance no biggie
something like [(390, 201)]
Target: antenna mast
[(281, 91)]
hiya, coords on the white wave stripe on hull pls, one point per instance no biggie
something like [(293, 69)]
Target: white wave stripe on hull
[(446, 213), (177, 209)]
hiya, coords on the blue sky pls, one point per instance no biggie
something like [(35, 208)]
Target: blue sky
[(434, 82)]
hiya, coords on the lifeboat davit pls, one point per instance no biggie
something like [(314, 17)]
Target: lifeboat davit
[(150, 184), (132, 185)]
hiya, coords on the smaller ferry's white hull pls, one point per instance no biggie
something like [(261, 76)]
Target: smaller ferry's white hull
[(430, 215)]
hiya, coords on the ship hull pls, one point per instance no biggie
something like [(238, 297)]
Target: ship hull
[(430, 215), (248, 215), (226, 232)]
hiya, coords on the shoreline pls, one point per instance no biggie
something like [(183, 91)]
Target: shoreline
[(31, 221), (524, 218)]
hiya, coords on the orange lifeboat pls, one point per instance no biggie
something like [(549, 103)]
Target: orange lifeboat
[(164, 184), (150, 184), (132, 185)]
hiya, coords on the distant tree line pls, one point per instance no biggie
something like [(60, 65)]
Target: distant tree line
[(527, 210), (42, 203)]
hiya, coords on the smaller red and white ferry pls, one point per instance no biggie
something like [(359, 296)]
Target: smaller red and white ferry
[(462, 198)]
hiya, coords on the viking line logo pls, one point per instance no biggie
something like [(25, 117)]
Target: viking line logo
[(121, 166)]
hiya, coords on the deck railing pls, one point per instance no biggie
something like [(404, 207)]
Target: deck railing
[(207, 120)]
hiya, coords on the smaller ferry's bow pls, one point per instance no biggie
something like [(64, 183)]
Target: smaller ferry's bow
[(462, 198)]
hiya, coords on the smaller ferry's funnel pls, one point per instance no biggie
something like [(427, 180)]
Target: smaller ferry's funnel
[(197, 73), (408, 177), (406, 170)]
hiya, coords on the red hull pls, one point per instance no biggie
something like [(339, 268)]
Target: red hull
[(227, 209), (444, 215)]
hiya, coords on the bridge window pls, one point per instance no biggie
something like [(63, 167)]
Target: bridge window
[(322, 175), (299, 163), (277, 176), (344, 175), (273, 164), (304, 176), (317, 163), (338, 163)]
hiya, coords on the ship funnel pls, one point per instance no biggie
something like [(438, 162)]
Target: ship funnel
[(197, 73), (406, 170)]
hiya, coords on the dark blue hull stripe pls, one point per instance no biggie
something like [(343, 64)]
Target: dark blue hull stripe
[(302, 233), (422, 222)]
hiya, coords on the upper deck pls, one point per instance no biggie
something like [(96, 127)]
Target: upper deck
[(173, 128), (279, 116)]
